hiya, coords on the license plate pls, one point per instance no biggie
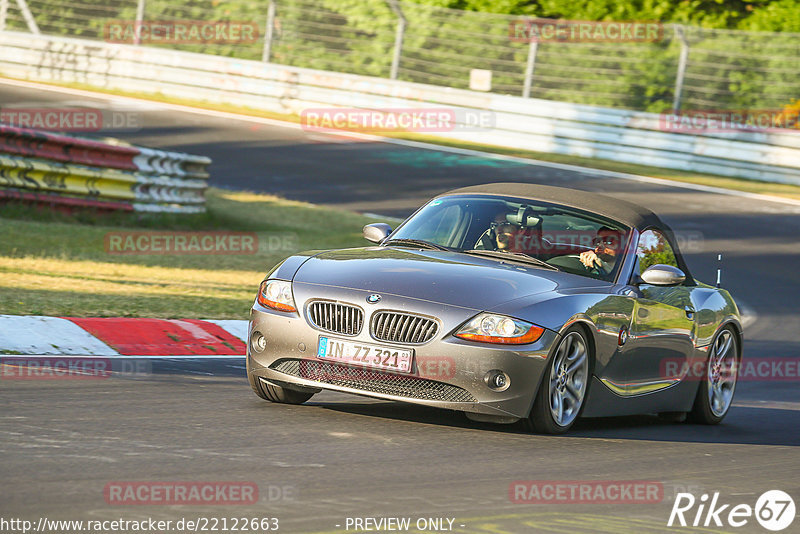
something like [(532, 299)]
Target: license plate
[(354, 352)]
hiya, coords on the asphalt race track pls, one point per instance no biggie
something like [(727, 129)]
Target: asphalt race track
[(341, 457)]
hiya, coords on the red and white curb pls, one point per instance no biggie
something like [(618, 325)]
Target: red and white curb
[(118, 336), (139, 337)]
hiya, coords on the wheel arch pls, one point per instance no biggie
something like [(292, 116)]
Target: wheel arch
[(589, 332), (738, 331)]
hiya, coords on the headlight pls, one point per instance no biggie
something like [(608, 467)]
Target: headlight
[(276, 294), (491, 328)]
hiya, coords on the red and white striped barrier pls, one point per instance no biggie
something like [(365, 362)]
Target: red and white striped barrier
[(63, 170), (64, 148), (120, 336)]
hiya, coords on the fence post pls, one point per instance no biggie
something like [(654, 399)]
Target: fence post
[(3, 14), (683, 61), (29, 20), (137, 35), (398, 38), (268, 32), (533, 47)]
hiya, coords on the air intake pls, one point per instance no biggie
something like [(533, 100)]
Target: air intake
[(403, 327), (335, 317)]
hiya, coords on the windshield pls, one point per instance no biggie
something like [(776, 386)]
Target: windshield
[(571, 240)]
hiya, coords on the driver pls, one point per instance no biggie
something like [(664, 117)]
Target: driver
[(603, 257), (508, 236), (505, 234)]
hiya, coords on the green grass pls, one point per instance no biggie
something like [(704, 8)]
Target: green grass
[(57, 264), (738, 184)]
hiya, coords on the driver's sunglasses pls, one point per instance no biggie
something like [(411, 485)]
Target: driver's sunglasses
[(606, 241)]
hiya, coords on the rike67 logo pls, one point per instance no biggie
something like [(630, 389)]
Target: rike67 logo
[(774, 510)]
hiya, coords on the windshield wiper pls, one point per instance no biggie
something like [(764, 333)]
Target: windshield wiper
[(417, 243), (513, 256)]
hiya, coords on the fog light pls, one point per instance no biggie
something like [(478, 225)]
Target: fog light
[(258, 342), (497, 380)]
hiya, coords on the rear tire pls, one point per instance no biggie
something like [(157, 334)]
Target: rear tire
[(715, 394), (565, 385), (279, 394)]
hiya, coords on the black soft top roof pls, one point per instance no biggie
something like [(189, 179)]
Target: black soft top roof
[(625, 212)]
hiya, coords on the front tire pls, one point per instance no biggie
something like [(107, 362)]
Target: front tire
[(715, 394), (279, 394), (560, 399)]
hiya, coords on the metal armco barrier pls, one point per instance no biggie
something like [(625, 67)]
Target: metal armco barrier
[(71, 171), (34, 143), (522, 123)]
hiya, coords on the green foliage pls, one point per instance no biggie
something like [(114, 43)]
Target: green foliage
[(760, 15), (775, 16), (657, 253), (445, 40), (338, 35), (504, 7)]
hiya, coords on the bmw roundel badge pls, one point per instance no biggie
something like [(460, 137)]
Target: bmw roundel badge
[(623, 336), (372, 299)]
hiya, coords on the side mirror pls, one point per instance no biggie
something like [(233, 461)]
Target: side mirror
[(377, 232), (663, 275)]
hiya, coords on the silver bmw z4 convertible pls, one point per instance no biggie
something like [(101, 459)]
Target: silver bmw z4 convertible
[(505, 301)]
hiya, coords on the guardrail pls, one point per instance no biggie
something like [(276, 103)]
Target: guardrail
[(72, 171), (635, 64), (523, 123)]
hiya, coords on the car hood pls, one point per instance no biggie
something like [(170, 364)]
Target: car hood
[(435, 276)]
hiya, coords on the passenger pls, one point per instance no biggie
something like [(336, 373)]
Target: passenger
[(603, 257)]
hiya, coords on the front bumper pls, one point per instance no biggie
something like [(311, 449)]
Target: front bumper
[(447, 373)]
